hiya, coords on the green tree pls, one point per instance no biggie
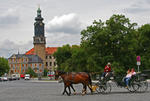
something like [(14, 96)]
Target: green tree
[(45, 71), (144, 46), (78, 59), (4, 67), (62, 55), (31, 72), (111, 41), (71, 58)]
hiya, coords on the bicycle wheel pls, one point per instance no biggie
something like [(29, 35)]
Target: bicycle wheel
[(133, 87), (143, 86), (105, 88)]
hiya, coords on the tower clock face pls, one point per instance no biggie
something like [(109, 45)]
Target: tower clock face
[(39, 29)]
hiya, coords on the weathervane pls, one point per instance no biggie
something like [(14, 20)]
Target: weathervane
[(38, 5)]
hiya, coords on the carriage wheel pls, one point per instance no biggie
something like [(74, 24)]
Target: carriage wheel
[(143, 86), (133, 87), (105, 88), (98, 84)]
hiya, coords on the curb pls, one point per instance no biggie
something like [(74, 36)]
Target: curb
[(42, 81)]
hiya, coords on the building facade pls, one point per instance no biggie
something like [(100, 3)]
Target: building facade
[(50, 61), (19, 63)]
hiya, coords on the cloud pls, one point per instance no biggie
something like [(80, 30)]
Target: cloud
[(62, 39), (147, 1), (69, 24), (137, 10), (138, 7), (7, 48), (9, 18)]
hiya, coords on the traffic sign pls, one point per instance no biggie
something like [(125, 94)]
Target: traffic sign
[(138, 58), (138, 63)]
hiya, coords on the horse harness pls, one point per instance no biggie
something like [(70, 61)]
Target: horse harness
[(72, 74)]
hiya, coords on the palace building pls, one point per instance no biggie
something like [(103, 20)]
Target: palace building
[(39, 57)]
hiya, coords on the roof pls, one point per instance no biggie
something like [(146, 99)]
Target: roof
[(30, 52), (32, 58), (49, 51), (17, 56)]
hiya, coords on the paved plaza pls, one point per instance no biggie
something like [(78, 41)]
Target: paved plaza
[(22, 90)]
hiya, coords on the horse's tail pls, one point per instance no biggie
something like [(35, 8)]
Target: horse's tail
[(90, 83), (90, 80)]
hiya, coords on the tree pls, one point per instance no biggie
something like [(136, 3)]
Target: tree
[(71, 58), (144, 46), (45, 71), (4, 67), (62, 55), (31, 72), (111, 41)]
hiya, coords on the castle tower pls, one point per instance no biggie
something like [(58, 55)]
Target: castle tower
[(39, 39)]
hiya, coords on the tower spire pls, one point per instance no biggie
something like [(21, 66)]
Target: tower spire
[(39, 17), (38, 5)]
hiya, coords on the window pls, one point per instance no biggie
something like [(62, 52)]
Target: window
[(50, 63), (40, 64), (50, 57), (35, 70), (46, 57), (46, 64), (35, 65), (54, 63)]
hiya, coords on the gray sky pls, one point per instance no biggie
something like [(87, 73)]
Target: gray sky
[(64, 19)]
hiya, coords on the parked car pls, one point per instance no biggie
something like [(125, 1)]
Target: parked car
[(10, 78), (14, 77), (1, 79), (5, 78), (27, 77), (22, 76)]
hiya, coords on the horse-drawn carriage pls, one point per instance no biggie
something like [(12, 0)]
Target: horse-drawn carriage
[(137, 83)]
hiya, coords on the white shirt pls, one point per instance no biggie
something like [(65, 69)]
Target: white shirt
[(129, 75), (133, 73)]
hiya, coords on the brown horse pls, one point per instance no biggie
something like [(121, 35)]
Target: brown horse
[(75, 78)]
